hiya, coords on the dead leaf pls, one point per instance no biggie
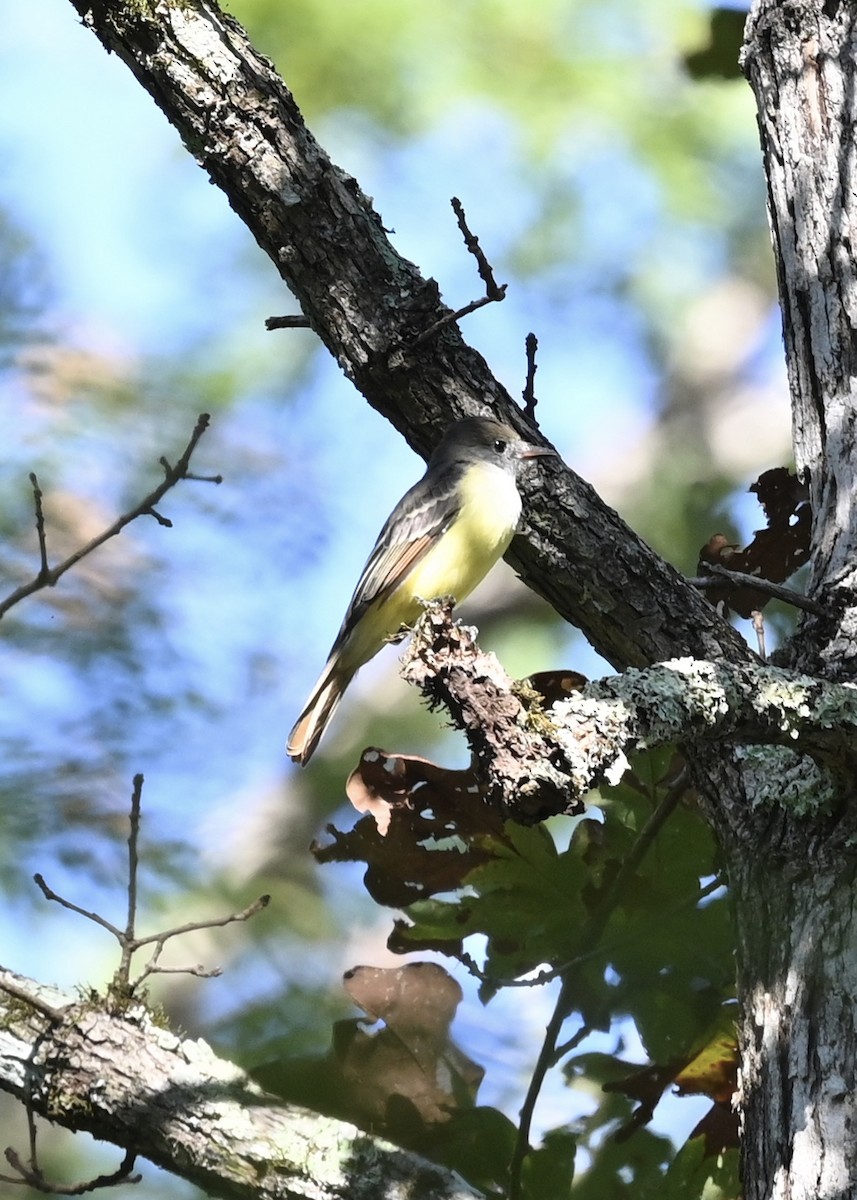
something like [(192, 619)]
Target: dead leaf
[(410, 1073), (425, 832), (775, 553), (553, 686)]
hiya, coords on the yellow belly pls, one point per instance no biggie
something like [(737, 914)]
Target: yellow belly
[(465, 554)]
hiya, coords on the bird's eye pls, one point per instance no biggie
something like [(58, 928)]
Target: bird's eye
[(500, 446)]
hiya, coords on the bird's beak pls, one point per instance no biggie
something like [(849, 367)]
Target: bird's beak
[(530, 450)]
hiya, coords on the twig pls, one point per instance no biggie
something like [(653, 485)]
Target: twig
[(40, 525), (122, 985), (532, 344), (48, 1010), (298, 321), (48, 576), (122, 977), (160, 939), (494, 292), (451, 317), (716, 575), (32, 1176), (592, 930), (50, 894)]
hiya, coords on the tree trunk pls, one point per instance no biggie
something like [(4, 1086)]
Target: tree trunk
[(798, 963), (792, 871)]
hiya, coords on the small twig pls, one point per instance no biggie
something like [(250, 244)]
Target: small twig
[(212, 923), (298, 321), (48, 1010), (32, 1177), (165, 521), (451, 317), (40, 525), (160, 939), (198, 972), (758, 620), (716, 575), (48, 576), (532, 344), (50, 894), (123, 973), (493, 291)]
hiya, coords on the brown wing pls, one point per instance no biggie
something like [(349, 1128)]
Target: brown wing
[(412, 528)]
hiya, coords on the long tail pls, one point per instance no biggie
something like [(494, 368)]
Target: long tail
[(317, 711)]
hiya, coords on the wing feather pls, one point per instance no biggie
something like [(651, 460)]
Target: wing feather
[(418, 520)]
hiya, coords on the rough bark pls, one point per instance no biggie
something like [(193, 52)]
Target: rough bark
[(367, 304), (798, 977), (800, 61), (535, 760), (793, 877), (127, 1081)]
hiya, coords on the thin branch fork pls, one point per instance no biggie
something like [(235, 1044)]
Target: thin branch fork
[(717, 573), (48, 576), (123, 986), (494, 292)]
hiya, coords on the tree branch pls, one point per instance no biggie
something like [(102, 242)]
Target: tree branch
[(369, 305), (130, 1082), (536, 762), (49, 576)]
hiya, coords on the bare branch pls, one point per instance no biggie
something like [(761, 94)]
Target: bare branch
[(122, 986), (297, 321), (717, 573), (531, 344), (160, 939), (121, 980), (493, 290), (48, 576), (50, 894), (40, 525), (32, 1176)]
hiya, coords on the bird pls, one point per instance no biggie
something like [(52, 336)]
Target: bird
[(441, 539)]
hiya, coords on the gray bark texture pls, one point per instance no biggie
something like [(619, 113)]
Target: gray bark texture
[(790, 862), (126, 1080), (793, 876)]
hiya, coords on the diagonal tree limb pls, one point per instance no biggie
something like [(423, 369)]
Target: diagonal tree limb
[(368, 304)]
